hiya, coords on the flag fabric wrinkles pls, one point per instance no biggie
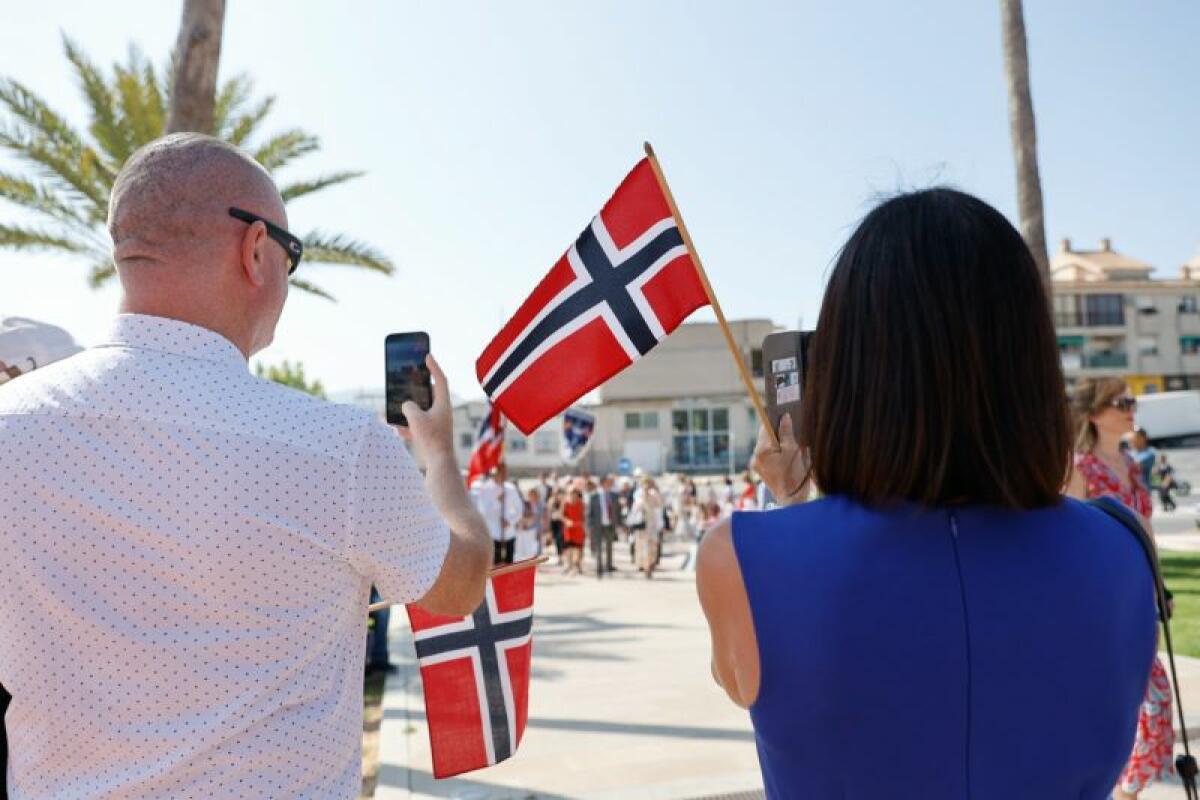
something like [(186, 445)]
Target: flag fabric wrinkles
[(489, 445), (620, 289), (578, 427), (475, 672)]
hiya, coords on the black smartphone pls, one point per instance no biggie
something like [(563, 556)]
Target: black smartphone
[(785, 363), (406, 376)]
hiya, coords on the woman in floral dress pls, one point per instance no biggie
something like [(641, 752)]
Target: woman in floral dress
[(1104, 413)]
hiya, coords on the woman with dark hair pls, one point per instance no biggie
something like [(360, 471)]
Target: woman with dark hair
[(1103, 410), (942, 623)]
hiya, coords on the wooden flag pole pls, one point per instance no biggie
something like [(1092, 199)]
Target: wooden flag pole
[(507, 568), (734, 350)]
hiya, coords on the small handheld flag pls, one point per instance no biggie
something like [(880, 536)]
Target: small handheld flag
[(620, 289), (489, 445), (475, 672), (577, 434)]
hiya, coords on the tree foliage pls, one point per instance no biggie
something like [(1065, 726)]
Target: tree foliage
[(69, 173), (290, 374)]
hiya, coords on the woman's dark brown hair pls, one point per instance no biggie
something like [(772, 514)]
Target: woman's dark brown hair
[(934, 373)]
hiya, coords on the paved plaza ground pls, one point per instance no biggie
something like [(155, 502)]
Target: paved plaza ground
[(622, 703)]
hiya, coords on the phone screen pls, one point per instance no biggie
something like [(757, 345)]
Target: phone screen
[(407, 377)]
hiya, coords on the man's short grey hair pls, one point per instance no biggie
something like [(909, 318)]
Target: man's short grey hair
[(172, 185)]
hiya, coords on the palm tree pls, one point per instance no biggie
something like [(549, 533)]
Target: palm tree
[(1024, 135), (72, 174), (194, 78)]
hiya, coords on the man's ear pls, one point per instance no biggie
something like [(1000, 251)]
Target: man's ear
[(253, 254)]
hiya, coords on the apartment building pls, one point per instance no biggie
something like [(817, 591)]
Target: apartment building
[(1113, 318)]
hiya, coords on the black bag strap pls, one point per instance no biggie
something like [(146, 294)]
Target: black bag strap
[(1185, 764), (4, 698)]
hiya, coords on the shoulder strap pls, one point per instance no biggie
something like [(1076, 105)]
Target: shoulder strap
[(1185, 764)]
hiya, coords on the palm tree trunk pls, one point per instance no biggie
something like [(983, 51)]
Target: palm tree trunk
[(197, 54), (1024, 137)]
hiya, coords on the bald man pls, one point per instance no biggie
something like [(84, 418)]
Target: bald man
[(188, 550)]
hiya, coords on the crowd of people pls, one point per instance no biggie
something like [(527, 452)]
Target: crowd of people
[(570, 515), (941, 623)]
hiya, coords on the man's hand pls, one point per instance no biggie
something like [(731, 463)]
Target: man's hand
[(432, 430), (460, 586), (784, 468)]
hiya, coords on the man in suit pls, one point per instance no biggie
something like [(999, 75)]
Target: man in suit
[(603, 515)]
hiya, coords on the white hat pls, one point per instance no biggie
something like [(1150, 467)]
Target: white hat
[(26, 344)]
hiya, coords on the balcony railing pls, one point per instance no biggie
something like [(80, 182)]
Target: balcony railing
[(1105, 360), (1089, 319)]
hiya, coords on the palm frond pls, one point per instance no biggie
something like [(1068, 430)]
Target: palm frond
[(284, 147), (156, 104), (301, 188), (339, 249), (242, 127), (41, 198), (232, 96), (79, 171), (17, 237), (104, 126), (101, 272), (305, 286), (38, 116), (133, 97)]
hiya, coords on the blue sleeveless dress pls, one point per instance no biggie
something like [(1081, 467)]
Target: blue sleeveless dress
[(935, 654)]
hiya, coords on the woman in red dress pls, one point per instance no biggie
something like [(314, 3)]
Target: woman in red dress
[(1104, 413), (573, 532)]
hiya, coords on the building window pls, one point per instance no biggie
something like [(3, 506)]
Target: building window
[(1104, 309), (756, 363), (545, 442), (1187, 304), (1072, 311), (517, 443), (700, 437), (1189, 345), (1145, 304), (466, 440), (1148, 345), (641, 420), (1066, 311)]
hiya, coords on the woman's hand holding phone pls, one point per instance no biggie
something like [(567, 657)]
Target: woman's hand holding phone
[(783, 467)]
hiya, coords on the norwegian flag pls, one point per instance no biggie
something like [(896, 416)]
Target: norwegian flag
[(475, 671), (489, 445), (626, 283)]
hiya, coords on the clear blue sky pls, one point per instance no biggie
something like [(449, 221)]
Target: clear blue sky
[(492, 132)]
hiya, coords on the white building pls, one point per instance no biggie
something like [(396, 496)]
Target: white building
[(681, 408)]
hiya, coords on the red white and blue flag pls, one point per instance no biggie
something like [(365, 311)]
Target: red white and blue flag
[(621, 288), (489, 445), (578, 427), (475, 672)]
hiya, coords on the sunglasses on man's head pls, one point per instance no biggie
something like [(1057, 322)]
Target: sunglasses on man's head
[(1125, 403), (290, 244)]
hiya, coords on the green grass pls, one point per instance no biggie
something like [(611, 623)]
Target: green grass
[(1181, 571)]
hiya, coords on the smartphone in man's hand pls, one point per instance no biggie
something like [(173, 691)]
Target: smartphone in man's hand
[(785, 362), (406, 376)]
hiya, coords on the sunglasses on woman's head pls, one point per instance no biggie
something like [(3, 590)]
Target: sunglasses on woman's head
[(1124, 403)]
